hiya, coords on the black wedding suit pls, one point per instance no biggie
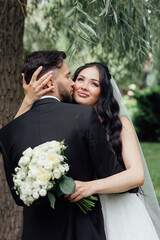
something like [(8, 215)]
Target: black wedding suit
[(89, 156)]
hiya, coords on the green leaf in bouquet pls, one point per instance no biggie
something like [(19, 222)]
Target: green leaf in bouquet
[(59, 192), (67, 185), (52, 199)]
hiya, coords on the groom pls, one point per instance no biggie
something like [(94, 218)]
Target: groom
[(89, 154)]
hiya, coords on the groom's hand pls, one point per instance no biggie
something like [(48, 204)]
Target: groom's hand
[(82, 190)]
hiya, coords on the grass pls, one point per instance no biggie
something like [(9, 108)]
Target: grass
[(152, 155)]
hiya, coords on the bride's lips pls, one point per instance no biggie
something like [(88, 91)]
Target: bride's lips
[(81, 94)]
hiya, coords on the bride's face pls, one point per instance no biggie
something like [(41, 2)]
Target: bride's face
[(87, 87)]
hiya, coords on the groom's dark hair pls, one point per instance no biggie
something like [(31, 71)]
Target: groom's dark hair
[(49, 60)]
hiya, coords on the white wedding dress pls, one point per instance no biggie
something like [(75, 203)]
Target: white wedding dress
[(130, 216), (126, 218)]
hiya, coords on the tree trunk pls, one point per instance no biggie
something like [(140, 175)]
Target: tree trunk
[(11, 94)]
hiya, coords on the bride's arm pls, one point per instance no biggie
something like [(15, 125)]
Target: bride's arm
[(34, 90), (131, 178)]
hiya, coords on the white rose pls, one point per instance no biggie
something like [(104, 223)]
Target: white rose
[(54, 144), (57, 173), (28, 152), (42, 192), (40, 162), (32, 173), (61, 158), (28, 191), (61, 168), (34, 160), (16, 169), (36, 185), (43, 176), (53, 159), (35, 195), (44, 147), (48, 165), (22, 175), (37, 152), (24, 161), (18, 182), (30, 199), (66, 166)]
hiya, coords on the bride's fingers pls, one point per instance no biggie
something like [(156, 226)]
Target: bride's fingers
[(79, 197), (24, 82), (44, 91), (73, 196), (35, 74), (44, 82), (44, 77)]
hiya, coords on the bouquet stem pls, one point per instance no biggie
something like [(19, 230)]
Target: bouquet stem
[(86, 204)]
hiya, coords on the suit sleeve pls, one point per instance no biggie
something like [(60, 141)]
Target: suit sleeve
[(8, 172), (103, 158)]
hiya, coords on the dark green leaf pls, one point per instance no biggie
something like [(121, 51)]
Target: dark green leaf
[(59, 192), (52, 199), (67, 185)]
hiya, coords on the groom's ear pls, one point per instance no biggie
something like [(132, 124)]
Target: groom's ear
[(50, 83)]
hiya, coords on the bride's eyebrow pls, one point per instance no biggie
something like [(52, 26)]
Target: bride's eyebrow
[(93, 79)]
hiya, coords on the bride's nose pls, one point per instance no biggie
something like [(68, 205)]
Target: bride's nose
[(84, 85)]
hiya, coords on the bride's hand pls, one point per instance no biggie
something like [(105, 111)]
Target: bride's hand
[(82, 190), (35, 89)]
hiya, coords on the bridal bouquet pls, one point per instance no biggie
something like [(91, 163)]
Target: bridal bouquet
[(42, 172)]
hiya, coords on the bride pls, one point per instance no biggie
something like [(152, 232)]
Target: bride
[(127, 216)]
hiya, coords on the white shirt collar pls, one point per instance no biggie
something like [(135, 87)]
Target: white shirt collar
[(49, 96)]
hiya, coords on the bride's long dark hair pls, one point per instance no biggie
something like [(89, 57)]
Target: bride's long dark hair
[(107, 107)]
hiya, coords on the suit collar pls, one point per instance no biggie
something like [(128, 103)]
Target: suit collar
[(45, 101)]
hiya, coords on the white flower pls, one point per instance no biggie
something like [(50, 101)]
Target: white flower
[(28, 191), (28, 152), (42, 192), (44, 147), (35, 185), (43, 176), (16, 169), (50, 185), (48, 165), (62, 168), (53, 159), (24, 161), (66, 166), (61, 158), (54, 144), (22, 197), (34, 160), (57, 173), (35, 195), (22, 175), (40, 162), (30, 199)]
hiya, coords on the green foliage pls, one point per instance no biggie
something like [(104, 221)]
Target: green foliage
[(147, 118), (117, 33), (152, 152), (67, 185)]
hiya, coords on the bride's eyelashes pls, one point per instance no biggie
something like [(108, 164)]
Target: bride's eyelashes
[(92, 82)]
